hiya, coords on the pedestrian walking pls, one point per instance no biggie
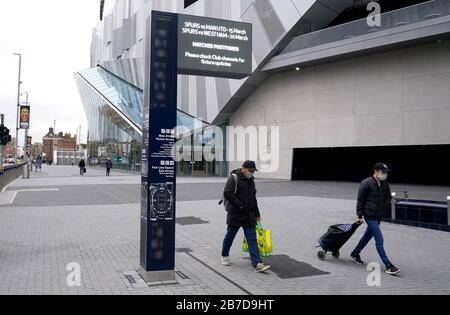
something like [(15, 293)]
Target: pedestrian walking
[(374, 198), (243, 212), (109, 166), (82, 166)]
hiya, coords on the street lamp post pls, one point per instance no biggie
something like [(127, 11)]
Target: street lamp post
[(16, 147), (26, 170), (54, 154)]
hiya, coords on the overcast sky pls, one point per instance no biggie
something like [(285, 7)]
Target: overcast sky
[(54, 38)]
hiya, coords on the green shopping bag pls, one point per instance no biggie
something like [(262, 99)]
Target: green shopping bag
[(264, 240)]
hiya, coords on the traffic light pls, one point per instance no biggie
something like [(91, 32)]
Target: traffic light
[(5, 138)]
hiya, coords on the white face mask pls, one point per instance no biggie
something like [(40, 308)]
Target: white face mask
[(383, 177), (250, 176)]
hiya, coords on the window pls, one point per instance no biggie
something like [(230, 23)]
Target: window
[(188, 3), (102, 7)]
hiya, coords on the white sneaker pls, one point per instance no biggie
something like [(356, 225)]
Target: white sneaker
[(226, 261), (261, 267)]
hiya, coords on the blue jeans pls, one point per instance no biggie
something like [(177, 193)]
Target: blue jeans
[(250, 234), (373, 231)]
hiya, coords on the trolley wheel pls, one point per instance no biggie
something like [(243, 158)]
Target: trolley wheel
[(322, 255), (336, 255)]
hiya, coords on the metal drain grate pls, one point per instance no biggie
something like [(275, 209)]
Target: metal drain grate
[(183, 250), (287, 268), (137, 281), (182, 275), (191, 221), (162, 284), (130, 279)]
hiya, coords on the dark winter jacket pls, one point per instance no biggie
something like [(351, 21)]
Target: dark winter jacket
[(109, 164), (242, 207), (82, 164), (373, 199)]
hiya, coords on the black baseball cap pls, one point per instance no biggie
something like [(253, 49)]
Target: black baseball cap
[(251, 165), (381, 167)]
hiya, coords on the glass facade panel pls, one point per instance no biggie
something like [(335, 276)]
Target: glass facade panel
[(115, 115), (113, 133), (125, 97)]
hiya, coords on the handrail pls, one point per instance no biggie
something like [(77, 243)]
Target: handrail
[(423, 203), (400, 17), (11, 167)]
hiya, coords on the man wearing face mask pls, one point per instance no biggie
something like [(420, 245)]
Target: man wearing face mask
[(374, 198), (243, 212)]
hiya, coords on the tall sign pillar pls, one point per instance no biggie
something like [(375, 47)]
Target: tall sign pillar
[(190, 45), (158, 163)]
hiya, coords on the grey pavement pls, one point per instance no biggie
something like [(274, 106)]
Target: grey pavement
[(96, 189), (58, 217)]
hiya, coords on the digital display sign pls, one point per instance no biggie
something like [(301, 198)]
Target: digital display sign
[(214, 47)]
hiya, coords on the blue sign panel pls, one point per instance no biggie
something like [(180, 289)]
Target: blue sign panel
[(158, 164), (208, 47)]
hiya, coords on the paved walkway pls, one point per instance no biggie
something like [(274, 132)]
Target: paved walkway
[(58, 217)]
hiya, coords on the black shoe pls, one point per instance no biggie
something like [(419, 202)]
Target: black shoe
[(392, 270), (357, 259)]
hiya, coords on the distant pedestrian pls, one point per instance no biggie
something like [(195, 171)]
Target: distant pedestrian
[(374, 198), (40, 163), (108, 167), (82, 166), (37, 163), (243, 212)]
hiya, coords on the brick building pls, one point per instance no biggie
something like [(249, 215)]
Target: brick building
[(59, 142)]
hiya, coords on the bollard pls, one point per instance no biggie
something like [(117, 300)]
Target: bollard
[(448, 210), (393, 204)]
